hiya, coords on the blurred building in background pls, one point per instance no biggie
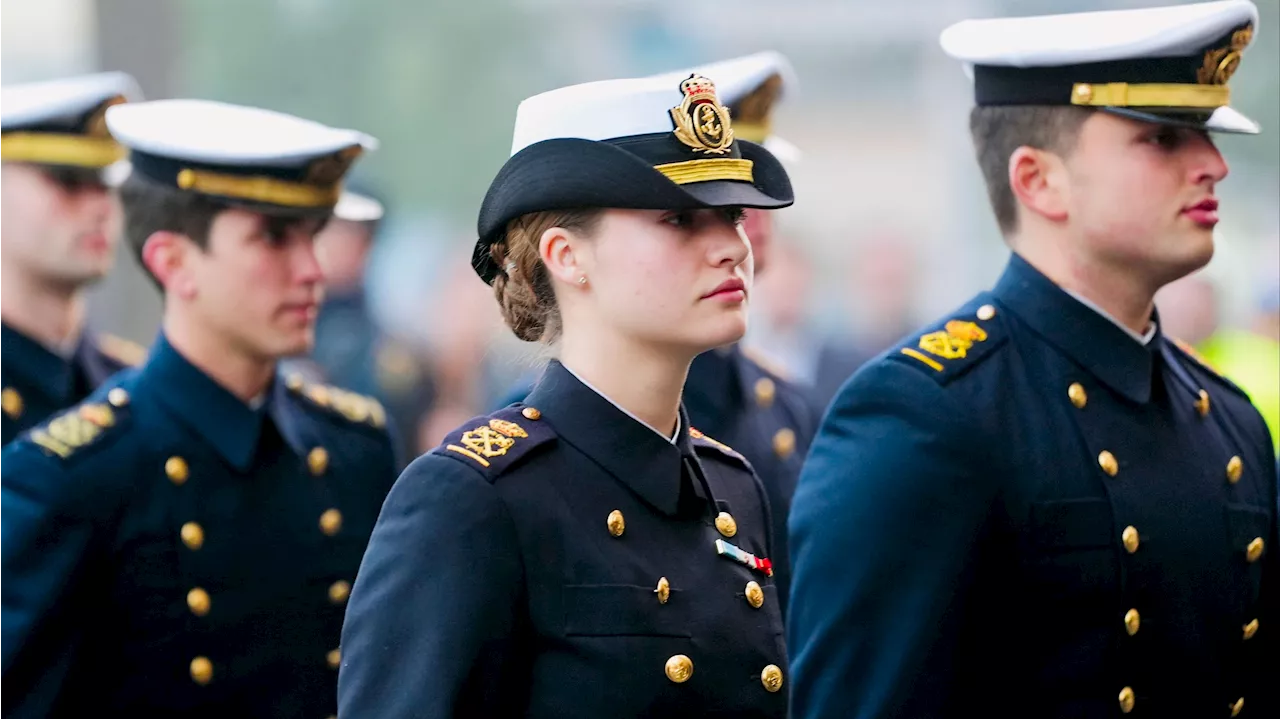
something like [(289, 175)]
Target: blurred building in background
[(891, 225)]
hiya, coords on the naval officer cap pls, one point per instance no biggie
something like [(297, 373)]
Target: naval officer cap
[(657, 143), (1167, 65), (61, 122), (244, 157), (752, 87)]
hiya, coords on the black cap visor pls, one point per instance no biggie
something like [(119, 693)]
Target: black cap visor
[(570, 173)]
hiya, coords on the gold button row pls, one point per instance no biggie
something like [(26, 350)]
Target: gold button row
[(193, 534), (679, 669), (1107, 461), (1079, 397), (617, 524), (177, 470), (201, 669), (199, 601), (753, 593)]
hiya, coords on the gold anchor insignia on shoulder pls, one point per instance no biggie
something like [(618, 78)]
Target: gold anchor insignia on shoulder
[(68, 432), (487, 441), (954, 341), (1221, 63), (702, 123)]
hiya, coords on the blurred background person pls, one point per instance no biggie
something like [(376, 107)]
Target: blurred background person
[(1247, 352), (352, 349), (61, 225)]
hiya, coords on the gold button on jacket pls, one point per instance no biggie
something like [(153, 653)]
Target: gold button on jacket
[(198, 601), (663, 591), (1077, 395), (331, 522), (201, 670), (175, 468), (339, 591), (679, 668), (771, 678), (616, 523), (192, 535), (726, 525), (318, 460), (1127, 700)]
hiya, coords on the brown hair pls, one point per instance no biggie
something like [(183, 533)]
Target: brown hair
[(523, 287), (150, 207), (998, 131)]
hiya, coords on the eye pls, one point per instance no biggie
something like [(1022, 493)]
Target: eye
[(682, 219), (1167, 138), (735, 215)]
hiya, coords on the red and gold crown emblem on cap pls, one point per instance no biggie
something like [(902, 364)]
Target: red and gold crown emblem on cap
[(701, 122)]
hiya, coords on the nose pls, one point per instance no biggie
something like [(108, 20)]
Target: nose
[(728, 246), (1209, 165), (306, 265)]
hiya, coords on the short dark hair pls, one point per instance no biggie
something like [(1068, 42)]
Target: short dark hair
[(150, 207), (999, 130)]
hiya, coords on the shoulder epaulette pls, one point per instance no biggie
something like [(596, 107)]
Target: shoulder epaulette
[(354, 407), (494, 442), (126, 352), (1199, 360), (714, 446), (948, 350), (69, 432)]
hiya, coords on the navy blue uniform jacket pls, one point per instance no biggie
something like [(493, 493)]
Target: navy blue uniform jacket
[(169, 551), (1025, 512), (560, 559)]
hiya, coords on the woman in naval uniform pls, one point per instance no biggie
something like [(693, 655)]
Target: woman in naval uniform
[(587, 553)]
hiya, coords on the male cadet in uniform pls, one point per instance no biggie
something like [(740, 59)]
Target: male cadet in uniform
[(60, 231), (1041, 507), (729, 394), (184, 541)]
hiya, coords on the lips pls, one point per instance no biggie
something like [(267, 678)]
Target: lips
[(727, 288), (301, 309), (1204, 212)]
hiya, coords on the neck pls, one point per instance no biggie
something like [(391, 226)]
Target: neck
[(242, 374), (1118, 290), (645, 380), (50, 314)]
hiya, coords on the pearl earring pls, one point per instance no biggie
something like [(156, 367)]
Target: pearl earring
[(582, 280)]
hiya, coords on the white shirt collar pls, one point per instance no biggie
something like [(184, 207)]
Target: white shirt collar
[(671, 439), (1143, 339)]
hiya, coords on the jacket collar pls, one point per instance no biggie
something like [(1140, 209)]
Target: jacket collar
[(1094, 342), (229, 425), (625, 448)]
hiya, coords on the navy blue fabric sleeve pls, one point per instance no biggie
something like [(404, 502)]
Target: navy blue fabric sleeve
[(889, 507), (48, 525), (432, 619)]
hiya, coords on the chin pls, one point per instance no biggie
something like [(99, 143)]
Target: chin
[(724, 332), (1197, 253), (292, 344)]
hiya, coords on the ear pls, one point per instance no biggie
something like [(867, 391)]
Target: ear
[(1039, 180), (166, 255), (560, 251)]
